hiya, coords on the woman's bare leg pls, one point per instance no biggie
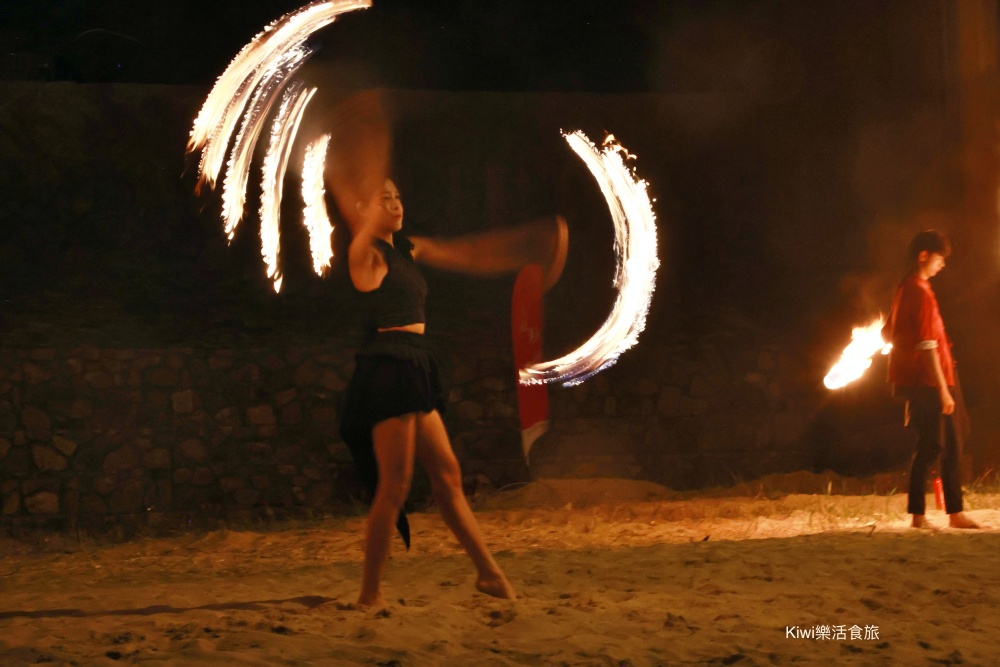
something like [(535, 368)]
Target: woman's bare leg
[(393, 440), (437, 457)]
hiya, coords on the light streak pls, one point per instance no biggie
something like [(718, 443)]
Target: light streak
[(217, 118), (856, 358), (283, 131), (238, 168), (635, 273), (249, 88), (315, 216)]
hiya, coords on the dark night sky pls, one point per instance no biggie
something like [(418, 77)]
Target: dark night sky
[(567, 45)]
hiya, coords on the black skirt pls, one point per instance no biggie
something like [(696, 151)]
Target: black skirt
[(396, 373)]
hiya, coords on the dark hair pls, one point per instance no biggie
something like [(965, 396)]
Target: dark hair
[(930, 240)]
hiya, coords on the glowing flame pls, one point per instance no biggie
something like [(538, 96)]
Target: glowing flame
[(234, 192), (635, 274), (856, 358), (217, 119), (283, 131), (315, 217)]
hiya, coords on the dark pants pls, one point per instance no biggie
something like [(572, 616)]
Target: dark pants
[(937, 437)]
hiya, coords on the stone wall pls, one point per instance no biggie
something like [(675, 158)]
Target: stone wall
[(89, 434), (93, 435)]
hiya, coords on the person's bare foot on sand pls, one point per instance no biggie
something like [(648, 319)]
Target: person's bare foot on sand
[(370, 602), (497, 586), (960, 520), (920, 521)]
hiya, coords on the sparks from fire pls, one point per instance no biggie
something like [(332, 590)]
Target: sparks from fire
[(255, 79), (856, 358), (315, 217), (283, 131), (259, 59), (635, 273)]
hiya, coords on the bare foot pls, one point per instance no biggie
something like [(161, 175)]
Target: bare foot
[(368, 601), (497, 586), (920, 521), (959, 520)]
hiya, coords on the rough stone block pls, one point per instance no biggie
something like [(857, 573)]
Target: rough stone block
[(35, 374), (45, 502), (5, 446), (193, 449), (285, 397), (64, 445), (261, 415), (228, 417), (47, 459)]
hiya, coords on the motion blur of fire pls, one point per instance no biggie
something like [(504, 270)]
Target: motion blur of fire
[(635, 275), (244, 96), (856, 358)]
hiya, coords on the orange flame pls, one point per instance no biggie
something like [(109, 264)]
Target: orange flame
[(315, 216), (635, 274), (856, 358), (280, 41), (283, 131), (238, 168)]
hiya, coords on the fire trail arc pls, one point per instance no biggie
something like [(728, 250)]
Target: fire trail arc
[(260, 83)]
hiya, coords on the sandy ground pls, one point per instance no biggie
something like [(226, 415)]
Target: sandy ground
[(609, 572)]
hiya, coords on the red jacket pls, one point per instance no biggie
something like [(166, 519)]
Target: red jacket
[(915, 324)]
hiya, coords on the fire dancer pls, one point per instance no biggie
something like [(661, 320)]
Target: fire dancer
[(392, 411), (921, 368)]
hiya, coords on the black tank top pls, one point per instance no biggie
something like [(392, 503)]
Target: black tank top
[(399, 300)]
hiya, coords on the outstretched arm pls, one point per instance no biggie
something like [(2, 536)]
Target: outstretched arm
[(543, 241)]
